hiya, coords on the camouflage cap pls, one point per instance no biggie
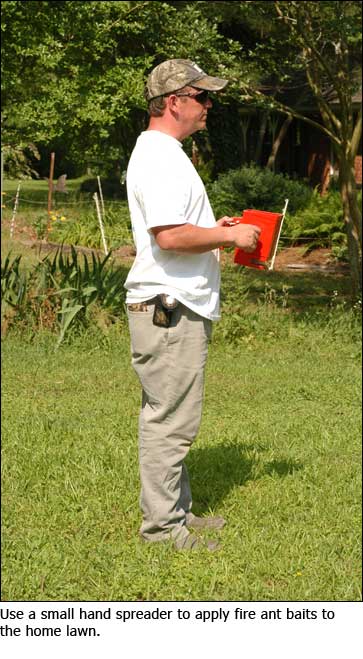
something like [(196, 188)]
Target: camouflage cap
[(174, 74)]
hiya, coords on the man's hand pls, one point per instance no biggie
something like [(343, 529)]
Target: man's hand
[(225, 221), (244, 236)]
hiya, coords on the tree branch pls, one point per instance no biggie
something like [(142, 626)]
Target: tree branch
[(285, 109), (302, 31), (324, 106), (301, 25)]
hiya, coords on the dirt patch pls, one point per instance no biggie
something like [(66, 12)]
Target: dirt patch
[(294, 258), (127, 252)]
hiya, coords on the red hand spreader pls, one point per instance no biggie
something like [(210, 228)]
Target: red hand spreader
[(263, 257)]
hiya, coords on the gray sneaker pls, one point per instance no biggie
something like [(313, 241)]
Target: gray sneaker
[(199, 523)]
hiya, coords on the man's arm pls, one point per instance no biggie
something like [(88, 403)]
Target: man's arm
[(196, 240)]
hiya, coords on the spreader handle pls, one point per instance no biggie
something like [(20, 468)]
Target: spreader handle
[(278, 235)]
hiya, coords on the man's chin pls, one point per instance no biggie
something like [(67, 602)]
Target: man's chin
[(200, 125)]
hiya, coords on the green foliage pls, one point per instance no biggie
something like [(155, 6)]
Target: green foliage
[(320, 223), (40, 225), (61, 292), (84, 229), (13, 286), (253, 187), (74, 72), (17, 160)]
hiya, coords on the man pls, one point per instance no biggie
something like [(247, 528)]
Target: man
[(173, 295)]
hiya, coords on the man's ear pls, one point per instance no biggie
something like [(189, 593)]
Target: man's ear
[(172, 102)]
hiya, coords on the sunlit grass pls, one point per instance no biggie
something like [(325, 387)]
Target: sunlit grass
[(278, 455)]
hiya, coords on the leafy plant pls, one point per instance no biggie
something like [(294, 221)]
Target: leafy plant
[(14, 286), (84, 229), (18, 160), (253, 187), (320, 223), (81, 287), (64, 289), (40, 225)]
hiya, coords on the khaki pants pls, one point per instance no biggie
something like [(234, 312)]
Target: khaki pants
[(170, 365)]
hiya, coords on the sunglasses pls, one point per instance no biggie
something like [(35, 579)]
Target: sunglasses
[(200, 97)]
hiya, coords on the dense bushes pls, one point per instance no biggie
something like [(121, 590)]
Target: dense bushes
[(253, 187)]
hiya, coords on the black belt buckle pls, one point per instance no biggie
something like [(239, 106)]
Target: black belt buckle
[(164, 307)]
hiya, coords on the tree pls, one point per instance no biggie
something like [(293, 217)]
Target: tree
[(329, 34), (323, 41), (74, 72), (299, 54)]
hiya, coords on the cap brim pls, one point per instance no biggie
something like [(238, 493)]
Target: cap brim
[(210, 84)]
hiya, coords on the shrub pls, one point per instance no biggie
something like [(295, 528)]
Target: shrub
[(320, 223), (253, 187), (18, 160)]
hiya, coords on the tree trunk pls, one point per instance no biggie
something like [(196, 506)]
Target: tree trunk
[(245, 122), (261, 137), (278, 141), (353, 223)]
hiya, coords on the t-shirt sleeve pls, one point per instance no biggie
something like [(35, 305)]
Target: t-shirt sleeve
[(163, 199)]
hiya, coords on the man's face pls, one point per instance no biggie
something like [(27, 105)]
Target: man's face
[(192, 106)]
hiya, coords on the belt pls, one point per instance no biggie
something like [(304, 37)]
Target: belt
[(167, 301), (141, 306)]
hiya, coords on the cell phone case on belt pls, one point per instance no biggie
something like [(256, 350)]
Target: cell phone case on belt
[(164, 307)]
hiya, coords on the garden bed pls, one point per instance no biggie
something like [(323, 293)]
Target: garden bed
[(288, 258)]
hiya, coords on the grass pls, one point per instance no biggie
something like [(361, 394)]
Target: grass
[(278, 455), (79, 224)]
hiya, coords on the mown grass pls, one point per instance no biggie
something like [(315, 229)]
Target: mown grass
[(278, 455)]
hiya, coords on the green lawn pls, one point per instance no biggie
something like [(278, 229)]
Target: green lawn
[(278, 455)]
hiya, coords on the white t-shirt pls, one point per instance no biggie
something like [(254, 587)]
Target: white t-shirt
[(164, 188)]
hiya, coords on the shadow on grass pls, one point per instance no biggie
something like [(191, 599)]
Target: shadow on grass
[(214, 472)]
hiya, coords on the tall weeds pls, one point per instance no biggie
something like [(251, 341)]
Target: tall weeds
[(60, 292)]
